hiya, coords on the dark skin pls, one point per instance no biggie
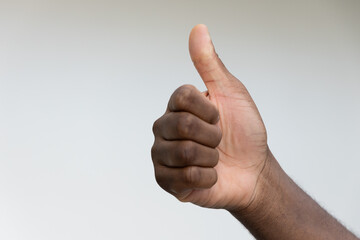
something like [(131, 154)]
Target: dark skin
[(211, 149)]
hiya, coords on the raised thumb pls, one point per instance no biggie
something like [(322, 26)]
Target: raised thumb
[(212, 71)]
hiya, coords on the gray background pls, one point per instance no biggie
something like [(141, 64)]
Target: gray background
[(81, 83)]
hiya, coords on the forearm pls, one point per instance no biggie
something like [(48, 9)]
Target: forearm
[(281, 210)]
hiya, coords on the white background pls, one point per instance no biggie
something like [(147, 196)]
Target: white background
[(81, 83)]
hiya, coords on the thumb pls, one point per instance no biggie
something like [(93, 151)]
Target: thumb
[(216, 77)]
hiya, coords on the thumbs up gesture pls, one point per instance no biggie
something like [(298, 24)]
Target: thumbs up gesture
[(210, 148)]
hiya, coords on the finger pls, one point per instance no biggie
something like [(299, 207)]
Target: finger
[(211, 69), (179, 180), (184, 153), (186, 126), (188, 99)]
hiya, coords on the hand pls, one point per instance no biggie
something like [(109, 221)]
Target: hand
[(210, 148)]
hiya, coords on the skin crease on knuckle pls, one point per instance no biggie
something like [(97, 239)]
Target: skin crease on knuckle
[(199, 178), (187, 153), (186, 125), (190, 153), (183, 97), (191, 175)]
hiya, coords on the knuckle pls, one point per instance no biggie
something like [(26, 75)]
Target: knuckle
[(161, 180), (156, 126), (185, 125), (187, 153), (183, 96), (191, 175), (154, 152)]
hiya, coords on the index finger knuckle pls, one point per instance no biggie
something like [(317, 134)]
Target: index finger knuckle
[(183, 97)]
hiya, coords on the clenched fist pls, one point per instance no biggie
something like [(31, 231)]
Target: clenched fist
[(210, 148)]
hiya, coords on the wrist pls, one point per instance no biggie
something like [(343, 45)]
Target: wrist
[(281, 210), (265, 193)]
